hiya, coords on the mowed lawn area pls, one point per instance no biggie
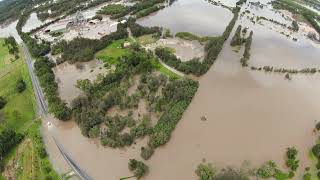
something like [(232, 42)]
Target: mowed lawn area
[(19, 110), (111, 53)]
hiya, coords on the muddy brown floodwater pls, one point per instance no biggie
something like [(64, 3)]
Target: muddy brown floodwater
[(251, 116), (67, 76), (195, 16)]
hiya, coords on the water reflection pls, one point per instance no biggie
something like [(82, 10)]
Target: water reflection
[(195, 16)]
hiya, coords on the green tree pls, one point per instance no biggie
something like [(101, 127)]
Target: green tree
[(205, 172), (21, 86)]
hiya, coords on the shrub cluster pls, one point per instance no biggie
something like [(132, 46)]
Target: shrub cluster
[(12, 45), (8, 139), (178, 94), (148, 11), (205, 172), (292, 161), (21, 86), (193, 66), (138, 168)]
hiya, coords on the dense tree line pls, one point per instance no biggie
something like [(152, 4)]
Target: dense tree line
[(11, 10), (215, 45), (148, 11), (246, 55), (193, 66), (178, 93), (43, 69), (8, 139), (138, 30), (141, 8)]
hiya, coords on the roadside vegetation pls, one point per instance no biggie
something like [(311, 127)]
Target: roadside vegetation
[(22, 153)]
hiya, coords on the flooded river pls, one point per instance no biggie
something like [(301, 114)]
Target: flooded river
[(250, 115), (10, 30), (195, 16), (32, 23)]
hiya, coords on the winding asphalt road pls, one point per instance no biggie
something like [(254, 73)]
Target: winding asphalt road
[(43, 112)]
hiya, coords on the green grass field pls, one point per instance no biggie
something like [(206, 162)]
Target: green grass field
[(19, 110), (111, 53), (164, 70), (146, 39)]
